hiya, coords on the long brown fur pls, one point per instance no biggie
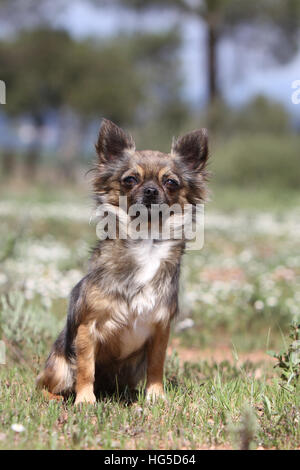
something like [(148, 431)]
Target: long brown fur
[(119, 316)]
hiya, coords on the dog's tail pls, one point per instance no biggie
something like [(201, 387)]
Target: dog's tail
[(58, 376)]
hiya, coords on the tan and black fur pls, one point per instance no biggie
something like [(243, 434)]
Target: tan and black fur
[(119, 314)]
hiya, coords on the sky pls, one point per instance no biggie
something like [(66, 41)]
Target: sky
[(241, 77)]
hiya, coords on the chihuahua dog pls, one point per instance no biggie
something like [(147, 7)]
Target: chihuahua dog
[(119, 315)]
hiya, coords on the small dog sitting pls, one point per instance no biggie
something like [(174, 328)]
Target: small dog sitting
[(119, 316)]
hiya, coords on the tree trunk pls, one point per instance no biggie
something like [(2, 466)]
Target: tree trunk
[(33, 153), (73, 129), (213, 91), (32, 157), (8, 162)]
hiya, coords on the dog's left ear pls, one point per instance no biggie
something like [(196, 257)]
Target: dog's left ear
[(192, 148), (112, 142)]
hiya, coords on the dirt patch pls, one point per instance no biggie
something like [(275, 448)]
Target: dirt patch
[(222, 274), (218, 355)]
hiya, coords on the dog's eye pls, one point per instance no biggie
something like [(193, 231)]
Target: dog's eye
[(172, 184), (130, 180)]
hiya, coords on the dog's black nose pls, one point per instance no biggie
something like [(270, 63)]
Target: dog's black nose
[(150, 192)]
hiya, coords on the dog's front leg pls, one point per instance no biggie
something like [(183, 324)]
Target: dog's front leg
[(156, 354), (85, 355)]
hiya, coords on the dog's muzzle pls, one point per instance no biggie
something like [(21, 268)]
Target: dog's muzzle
[(150, 196)]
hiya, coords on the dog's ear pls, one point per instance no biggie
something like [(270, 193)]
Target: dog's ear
[(112, 142), (192, 148)]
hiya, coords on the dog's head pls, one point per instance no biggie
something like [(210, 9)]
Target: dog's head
[(150, 177)]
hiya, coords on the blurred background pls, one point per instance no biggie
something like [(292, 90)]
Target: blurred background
[(158, 68)]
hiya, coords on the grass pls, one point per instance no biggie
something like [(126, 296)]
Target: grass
[(240, 292), (209, 406)]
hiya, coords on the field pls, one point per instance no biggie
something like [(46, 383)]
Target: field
[(239, 296)]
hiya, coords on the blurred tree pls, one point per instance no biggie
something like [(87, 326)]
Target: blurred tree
[(124, 77), (121, 78), (276, 23), (262, 116), (32, 66), (15, 15), (258, 116)]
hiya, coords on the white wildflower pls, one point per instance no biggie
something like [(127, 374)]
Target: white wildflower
[(184, 325), (259, 305), (208, 299), (246, 256), (272, 301), (17, 427), (3, 278)]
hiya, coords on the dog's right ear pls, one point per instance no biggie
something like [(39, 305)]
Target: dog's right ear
[(112, 142), (192, 149)]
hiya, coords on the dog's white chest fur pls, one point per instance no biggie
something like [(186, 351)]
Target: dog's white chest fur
[(149, 256), (143, 311), (135, 336)]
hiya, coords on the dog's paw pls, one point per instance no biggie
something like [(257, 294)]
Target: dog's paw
[(155, 393), (85, 397)]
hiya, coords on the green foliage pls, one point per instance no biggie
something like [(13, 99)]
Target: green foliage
[(32, 65), (8, 246), (26, 327), (255, 160), (242, 283), (122, 78), (196, 416), (289, 360), (244, 433), (103, 80), (260, 115)]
